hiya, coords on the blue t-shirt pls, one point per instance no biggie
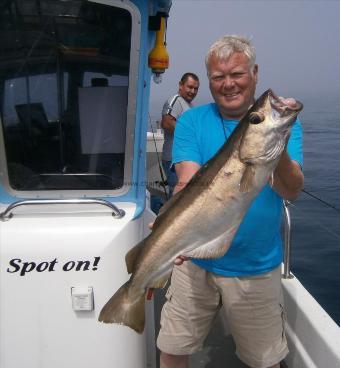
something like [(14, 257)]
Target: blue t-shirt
[(257, 246)]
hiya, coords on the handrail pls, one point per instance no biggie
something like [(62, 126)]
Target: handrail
[(119, 213), (287, 241), (7, 214)]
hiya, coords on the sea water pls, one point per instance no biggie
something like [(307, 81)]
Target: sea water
[(315, 250)]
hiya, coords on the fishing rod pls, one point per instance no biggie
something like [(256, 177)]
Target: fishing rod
[(313, 221), (162, 183), (321, 200)]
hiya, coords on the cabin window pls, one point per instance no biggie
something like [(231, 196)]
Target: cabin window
[(64, 77)]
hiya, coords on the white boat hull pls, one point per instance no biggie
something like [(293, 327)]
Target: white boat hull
[(313, 337), (42, 258)]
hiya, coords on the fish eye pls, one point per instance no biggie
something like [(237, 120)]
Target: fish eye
[(256, 118)]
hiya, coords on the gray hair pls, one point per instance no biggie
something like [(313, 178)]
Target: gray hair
[(224, 47)]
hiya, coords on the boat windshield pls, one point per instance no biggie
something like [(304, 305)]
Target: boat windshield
[(64, 77)]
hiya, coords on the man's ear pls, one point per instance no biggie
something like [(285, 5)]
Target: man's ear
[(180, 85), (256, 72)]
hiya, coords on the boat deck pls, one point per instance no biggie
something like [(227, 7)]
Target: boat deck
[(218, 351)]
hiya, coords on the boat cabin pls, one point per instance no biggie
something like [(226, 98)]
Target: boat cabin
[(74, 87)]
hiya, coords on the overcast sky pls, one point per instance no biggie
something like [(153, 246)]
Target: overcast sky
[(297, 44)]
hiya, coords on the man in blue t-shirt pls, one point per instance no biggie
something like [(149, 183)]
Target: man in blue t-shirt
[(247, 279)]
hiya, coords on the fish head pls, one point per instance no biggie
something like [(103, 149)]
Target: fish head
[(268, 124)]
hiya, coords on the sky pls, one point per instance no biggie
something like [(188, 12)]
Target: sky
[(297, 44)]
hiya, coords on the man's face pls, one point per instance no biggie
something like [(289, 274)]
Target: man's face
[(232, 84), (188, 89)]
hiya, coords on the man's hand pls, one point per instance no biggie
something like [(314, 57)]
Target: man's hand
[(150, 226), (180, 259)]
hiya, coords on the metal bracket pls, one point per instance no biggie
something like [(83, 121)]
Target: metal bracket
[(287, 241)]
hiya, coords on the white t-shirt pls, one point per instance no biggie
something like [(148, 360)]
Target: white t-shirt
[(174, 106)]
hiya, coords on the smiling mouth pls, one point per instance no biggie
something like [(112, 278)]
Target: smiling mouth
[(231, 95)]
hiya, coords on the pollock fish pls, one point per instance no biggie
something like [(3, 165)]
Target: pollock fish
[(201, 220)]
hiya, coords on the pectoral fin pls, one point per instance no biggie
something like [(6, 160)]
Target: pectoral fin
[(271, 180), (247, 180), (215, 248)]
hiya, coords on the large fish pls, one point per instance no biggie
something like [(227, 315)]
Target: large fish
[(201, 220)]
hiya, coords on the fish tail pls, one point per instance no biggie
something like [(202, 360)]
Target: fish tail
[(125, 308)]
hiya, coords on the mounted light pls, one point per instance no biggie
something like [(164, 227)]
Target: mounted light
[(158, 56)]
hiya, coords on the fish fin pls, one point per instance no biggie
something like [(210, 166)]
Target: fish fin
[(271, 179), (123, 309), (247, 180), (132, 255), (215, 248)]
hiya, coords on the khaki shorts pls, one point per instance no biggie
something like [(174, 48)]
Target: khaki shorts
[(252, 306)]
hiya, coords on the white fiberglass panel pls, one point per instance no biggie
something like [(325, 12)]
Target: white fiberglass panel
[(313, 337), (42, 258)]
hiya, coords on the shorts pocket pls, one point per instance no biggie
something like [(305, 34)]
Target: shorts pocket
[(284, 321), (168, 295)]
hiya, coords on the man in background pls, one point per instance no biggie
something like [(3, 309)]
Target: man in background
[(172, 109)]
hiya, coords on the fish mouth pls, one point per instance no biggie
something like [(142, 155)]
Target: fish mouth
[(284, 106)]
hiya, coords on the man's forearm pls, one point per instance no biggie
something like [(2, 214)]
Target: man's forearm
[(179, 187), (168, 122), (185, 170), (288, 178)]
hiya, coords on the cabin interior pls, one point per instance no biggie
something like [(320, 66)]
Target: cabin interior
[(64, 77)]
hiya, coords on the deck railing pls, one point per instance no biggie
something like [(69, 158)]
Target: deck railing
[(287, 241)]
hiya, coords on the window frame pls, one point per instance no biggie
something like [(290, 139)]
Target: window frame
[(130, 123)]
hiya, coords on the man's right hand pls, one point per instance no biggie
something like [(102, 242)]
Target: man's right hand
[(180, 259), (150, 226)]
